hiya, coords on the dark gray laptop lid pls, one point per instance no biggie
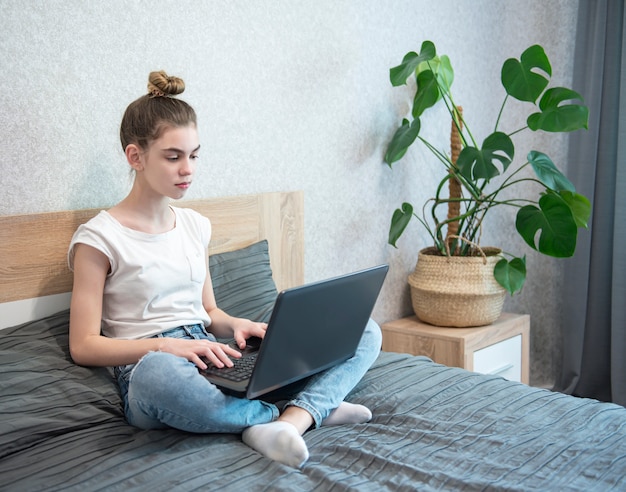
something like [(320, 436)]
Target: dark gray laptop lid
[(314, 327)]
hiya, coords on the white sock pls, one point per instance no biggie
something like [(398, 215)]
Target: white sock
[(348, 413), (278, 441)]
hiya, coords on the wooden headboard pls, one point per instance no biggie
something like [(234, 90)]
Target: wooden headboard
[(34, 246)]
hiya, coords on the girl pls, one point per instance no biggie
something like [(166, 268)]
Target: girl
[(143, 301)]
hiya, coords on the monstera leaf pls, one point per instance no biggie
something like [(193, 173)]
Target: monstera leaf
[(548, 173), (579, 205), (427, 93), (476, 163), (399, 221), (402, 140), (399, 75), (511, 274), (556, 222), (558, 117), (520, 77)]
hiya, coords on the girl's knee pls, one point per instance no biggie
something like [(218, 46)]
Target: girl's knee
[(160, 372), (161, 362), (374, 333)]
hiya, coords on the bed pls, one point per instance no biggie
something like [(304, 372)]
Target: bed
[(434, 427)]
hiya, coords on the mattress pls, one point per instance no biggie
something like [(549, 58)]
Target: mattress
[(433, 428)]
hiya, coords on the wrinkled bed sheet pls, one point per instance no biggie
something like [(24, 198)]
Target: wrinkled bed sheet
[(434, 428)]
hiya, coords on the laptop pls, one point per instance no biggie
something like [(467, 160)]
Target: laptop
[(312, 328)]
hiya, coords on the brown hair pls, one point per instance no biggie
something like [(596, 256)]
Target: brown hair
[(145, 118)]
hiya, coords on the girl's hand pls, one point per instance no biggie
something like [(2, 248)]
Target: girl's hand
[(244, 329), (192, 350)]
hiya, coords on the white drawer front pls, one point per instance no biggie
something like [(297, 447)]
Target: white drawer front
[(503, 358)]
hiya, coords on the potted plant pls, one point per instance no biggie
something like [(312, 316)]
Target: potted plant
[(477, 174)]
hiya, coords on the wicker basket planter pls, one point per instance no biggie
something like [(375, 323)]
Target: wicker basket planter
[(456, 291)]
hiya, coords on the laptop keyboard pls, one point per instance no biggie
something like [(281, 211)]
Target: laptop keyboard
[(241, 370)]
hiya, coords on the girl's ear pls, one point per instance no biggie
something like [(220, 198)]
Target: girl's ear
[(134, 157)]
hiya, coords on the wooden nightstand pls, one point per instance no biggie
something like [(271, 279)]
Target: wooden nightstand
[(500, 348)]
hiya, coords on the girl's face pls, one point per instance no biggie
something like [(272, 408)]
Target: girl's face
[(168, 165)]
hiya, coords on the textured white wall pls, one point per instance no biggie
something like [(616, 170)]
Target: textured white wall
[(290, 95)]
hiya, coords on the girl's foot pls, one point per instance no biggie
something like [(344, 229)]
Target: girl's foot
[(278, 441), (348, 413)]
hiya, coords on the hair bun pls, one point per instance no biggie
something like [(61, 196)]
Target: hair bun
[(161, 85)]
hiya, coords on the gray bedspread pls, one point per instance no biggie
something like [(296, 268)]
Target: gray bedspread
[(434, 428)]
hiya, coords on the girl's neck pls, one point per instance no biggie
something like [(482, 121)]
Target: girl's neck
[(153, 216)]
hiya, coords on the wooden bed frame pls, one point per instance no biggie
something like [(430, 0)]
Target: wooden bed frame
[(34, 246)]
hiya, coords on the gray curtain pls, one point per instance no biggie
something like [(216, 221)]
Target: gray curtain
[(594, 321)]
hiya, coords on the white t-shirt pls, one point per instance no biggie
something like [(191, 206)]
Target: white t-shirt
[(155, 281)]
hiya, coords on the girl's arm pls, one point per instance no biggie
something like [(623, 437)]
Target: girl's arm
[(88, 347)]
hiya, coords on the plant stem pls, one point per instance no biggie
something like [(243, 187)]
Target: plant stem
[(506, 98), (518, 130)]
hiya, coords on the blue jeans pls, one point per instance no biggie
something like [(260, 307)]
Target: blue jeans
[(163, 390)]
